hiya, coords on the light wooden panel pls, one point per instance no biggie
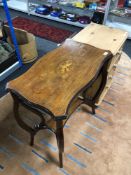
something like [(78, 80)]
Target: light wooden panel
[(102, 37)]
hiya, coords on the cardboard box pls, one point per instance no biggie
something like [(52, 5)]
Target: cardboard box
[(26, 42)]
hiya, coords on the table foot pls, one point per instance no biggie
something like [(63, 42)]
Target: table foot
[(32, 137), (60, 141), (93, 110), (61, 160)]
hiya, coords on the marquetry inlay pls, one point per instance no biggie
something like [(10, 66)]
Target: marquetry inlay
[(65, 67)]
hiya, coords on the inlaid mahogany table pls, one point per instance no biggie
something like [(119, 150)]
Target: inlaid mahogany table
[(52, 87)]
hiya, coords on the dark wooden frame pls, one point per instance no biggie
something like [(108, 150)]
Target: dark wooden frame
[(91, 101)]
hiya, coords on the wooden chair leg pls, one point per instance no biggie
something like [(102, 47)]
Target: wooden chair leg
[(60, 141)]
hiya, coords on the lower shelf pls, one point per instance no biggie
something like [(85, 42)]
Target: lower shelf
[(58, 19)]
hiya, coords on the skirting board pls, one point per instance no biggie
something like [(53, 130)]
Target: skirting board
[(8, 71)]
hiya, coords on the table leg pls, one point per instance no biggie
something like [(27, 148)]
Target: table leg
[(60, 141), (21, 123), (93, 110), (59, 130)]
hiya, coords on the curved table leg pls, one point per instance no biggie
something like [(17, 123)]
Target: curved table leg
[(60, 141), (59, 130), (21, 123)]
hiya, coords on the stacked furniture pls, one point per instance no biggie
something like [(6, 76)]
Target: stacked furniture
[(79, 71), (104, 38)]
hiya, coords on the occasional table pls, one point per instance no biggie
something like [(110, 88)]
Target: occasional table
[(52, 87)]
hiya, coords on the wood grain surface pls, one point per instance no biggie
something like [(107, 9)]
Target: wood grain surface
[(102, 37), (59, 75)]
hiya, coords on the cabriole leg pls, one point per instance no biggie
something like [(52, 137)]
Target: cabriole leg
[(60, 141), (20, 122)]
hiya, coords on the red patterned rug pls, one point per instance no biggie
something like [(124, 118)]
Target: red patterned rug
[(41, 30)]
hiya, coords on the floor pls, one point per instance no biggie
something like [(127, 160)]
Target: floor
[(43, 45), (94, 144)]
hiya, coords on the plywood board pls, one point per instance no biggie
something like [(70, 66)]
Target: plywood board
[(102, 37)]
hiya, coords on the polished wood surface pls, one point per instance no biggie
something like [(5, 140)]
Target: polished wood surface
[(57, 77), (102, 37)]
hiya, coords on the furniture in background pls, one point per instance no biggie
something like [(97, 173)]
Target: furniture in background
[(26, 42), (68, 76), (106, 38)]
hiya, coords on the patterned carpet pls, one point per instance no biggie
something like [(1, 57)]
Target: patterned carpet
[(42, 30), (94, 144)]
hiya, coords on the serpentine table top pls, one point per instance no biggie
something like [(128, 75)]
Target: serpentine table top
[(54, 80)]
